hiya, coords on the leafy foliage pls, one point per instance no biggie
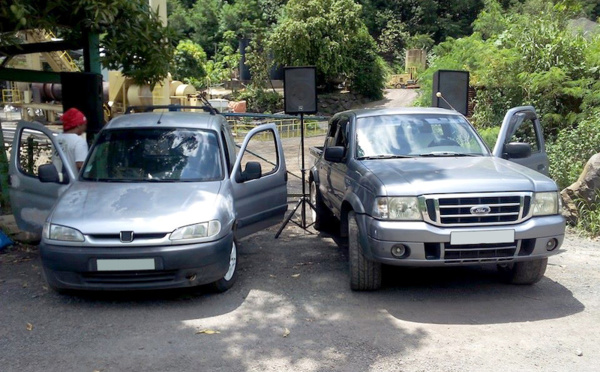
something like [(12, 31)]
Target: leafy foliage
[(133, 37), (188, 63), (526, 57), (572, 148), (330, 35)]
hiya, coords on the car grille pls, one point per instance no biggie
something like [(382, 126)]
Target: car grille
[(456, 209), (129, 277)]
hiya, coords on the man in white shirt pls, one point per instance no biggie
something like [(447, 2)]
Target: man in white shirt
[(74, 146)]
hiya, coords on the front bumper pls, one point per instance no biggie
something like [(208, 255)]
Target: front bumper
[(429, 245), (176, 266)]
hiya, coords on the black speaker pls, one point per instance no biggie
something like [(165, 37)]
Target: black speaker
[(300, 90), (83, 90), (454, 86)]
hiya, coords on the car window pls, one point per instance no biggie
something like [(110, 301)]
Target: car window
[(262, 148), (35, 149), (416, 135), (151, 154)]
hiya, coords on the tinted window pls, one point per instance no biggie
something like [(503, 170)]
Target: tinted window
[(165, 154)]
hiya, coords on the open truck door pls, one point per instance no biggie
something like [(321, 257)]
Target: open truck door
[(521, 139), (259, 181), (38, 175)]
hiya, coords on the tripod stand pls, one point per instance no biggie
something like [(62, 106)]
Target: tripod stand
[(304, 199)]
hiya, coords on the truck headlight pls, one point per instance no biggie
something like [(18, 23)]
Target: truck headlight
[(545, 203), (398, 208), (199, 230), (64, 233)]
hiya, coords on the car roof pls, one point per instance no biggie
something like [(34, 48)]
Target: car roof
[(360, 113), (196, 120)]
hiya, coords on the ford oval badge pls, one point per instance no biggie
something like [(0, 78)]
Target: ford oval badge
[(480, 209)]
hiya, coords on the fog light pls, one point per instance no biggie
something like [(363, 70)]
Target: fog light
[(551, 244), (399, 251)]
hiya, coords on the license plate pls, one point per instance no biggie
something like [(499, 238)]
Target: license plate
[(482, 237), (126, 264)]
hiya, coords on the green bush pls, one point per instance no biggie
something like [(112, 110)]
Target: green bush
[(489, 135), (572, 148), (261, 100), (588, 217)]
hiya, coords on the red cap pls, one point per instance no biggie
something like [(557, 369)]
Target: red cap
[(72, 118)]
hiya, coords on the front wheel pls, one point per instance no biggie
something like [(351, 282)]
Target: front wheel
[(525, 272), (365, 275), (227, 281)]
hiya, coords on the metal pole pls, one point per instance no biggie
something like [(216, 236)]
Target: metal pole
[(303, 171)]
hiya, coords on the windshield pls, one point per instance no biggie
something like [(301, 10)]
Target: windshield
[(162, 155), (416, 135)]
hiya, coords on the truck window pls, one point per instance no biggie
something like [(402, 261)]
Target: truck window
[(415, 135), (525, 132)]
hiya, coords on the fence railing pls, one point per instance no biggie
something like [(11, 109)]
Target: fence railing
[(288, 126)]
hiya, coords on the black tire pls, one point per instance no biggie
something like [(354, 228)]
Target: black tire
[(230, 277), (525, 272), (365, 275), (320, 215)]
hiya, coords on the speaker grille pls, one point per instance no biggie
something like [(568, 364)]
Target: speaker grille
[(300, 89), (454, 86)]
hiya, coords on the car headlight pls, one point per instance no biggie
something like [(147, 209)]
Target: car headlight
[(398, 208), (58, 232), (545, 203), (199, 230)]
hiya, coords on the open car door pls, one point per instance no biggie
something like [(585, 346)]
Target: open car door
[(259, 181), (31, 200), (521, 139)]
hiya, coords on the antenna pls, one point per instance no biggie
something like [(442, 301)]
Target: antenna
[(439, 95)]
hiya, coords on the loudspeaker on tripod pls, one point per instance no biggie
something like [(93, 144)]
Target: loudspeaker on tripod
[(300, 90)]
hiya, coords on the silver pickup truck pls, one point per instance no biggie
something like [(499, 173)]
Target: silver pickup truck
[(419, 187)]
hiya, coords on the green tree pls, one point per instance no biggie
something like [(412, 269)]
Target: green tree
[(324, 33), (188, 63), (198, 21), (132, 36)]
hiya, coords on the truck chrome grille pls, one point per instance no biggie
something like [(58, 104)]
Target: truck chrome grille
[(477, 209)]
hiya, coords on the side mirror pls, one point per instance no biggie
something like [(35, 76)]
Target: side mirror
[(517, 150), (253, 171), (334, 154), (48, 173)]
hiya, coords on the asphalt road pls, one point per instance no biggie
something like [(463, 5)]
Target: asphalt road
[(292, 310)]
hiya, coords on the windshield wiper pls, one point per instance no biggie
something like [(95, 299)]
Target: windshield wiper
[(387, 156), (446, 154)]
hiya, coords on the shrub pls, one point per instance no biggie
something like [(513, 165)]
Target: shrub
[(489, 135), (572, 148), (261, 100)]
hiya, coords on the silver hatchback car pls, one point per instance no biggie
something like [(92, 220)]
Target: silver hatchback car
[(159, 202)]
